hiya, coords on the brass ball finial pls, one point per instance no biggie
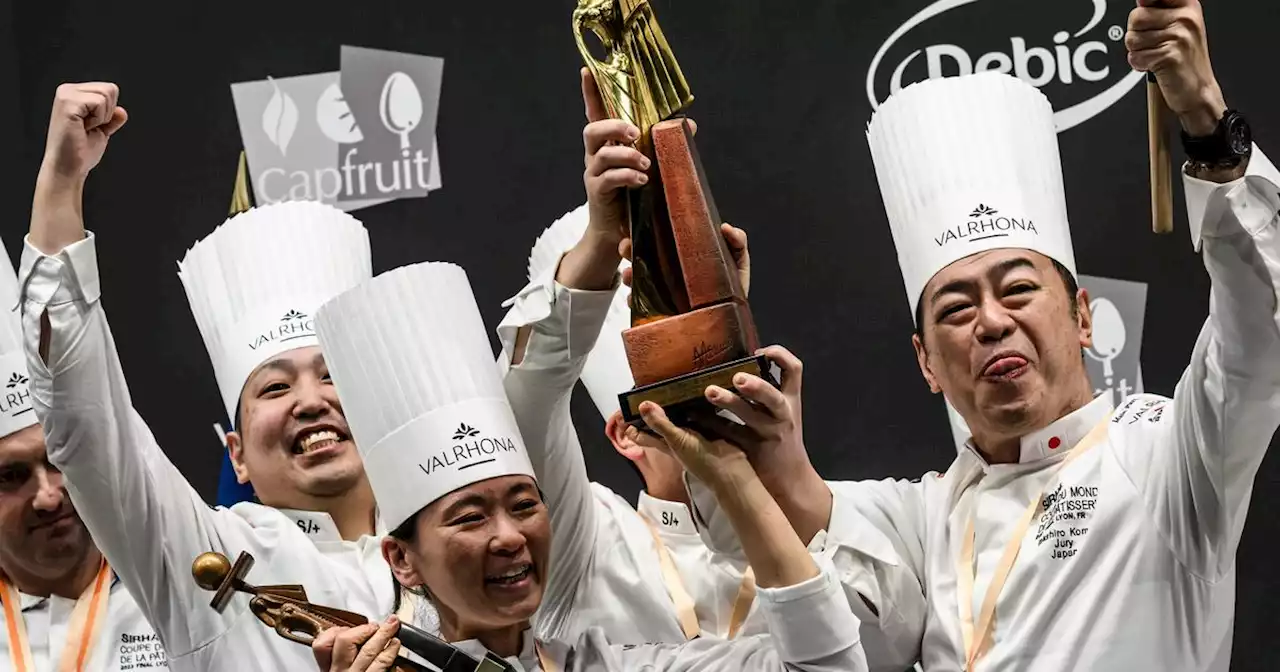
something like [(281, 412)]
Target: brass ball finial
[(210, 570)]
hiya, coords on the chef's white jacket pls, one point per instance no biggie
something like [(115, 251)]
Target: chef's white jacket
[(605, 570), (1131, 564), (143, 514), (125, 641), (813, 630)]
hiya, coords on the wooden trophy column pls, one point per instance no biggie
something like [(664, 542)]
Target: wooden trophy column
[(711, 337)]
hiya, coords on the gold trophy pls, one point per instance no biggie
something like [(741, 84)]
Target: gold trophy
[(690, 323), (285, 609)]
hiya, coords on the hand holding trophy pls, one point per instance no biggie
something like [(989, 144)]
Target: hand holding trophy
[(691, 326)]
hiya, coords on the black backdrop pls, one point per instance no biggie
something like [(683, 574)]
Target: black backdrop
[(782, 111)]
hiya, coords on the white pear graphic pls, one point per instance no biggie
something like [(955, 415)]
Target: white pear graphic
[(1108, 335), (280, 118), (401, 106), (335, 118)]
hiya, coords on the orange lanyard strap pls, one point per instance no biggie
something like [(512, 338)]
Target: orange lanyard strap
[(685, 611), (86, 621), (685, 605), (978, 640), (544, 659)]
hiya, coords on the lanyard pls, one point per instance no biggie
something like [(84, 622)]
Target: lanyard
[(86, 620), (978, 643), (544, 659), (685, 611)]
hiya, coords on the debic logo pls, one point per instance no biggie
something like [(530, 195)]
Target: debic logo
[(1073, 53)]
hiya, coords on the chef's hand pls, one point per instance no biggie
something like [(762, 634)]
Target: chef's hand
[(714, 461), (366, 648), (84, 118), (773, 438), (612, 165), (737, 240), (1167, 37)]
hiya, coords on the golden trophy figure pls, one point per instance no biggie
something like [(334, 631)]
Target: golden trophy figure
[(690, 323)]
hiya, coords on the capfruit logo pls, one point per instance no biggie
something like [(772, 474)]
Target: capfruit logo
[(1090, 59)]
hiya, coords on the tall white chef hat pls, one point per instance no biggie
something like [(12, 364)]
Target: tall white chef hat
[(969, 164), (410, 358), (606, 373), (255, 283), (16, 411)]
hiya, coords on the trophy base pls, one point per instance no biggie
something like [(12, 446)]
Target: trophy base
[(684, 396), (701, 340)]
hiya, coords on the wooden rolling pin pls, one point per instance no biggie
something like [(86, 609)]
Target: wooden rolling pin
[(1161, 165)]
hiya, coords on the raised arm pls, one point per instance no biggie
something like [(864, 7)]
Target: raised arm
[(546, 337), (144, 516), (1195, 461), (872, 532), (810, 624)]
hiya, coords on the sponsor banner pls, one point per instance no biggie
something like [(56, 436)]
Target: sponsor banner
[(1119, 310), (294, 129), (1073, 51), (393, 99)]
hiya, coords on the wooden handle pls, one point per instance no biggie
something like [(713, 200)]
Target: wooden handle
[(1161, 164)]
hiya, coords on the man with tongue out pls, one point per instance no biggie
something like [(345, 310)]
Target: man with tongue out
[(1067, 534), (253, 286)]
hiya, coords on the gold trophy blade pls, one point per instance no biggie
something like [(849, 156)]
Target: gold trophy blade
[(241, 195), (640, 80)]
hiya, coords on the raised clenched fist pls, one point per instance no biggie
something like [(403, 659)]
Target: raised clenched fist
[(84, 118)]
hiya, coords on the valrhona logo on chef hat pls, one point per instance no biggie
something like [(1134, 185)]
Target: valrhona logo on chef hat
[(969, 164), (16, 411), (255, 283), (410, 358), (606, 373)]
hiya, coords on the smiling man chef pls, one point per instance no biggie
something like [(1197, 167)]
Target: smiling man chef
[(253, 285)]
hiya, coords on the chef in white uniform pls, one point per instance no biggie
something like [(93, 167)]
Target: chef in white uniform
[(1067, 534), (445, 456), (709, 588), (253, 286), (63, 607), (709, 593)]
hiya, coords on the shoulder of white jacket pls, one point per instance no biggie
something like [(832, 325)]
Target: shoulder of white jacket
[(260, 515), (603, 493), (1140, 413)]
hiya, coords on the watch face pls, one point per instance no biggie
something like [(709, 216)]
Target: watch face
[(1239, 136)]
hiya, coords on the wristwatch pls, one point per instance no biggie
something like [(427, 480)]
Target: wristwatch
[(1229, 144)]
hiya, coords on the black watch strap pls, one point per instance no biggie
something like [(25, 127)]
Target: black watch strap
[(1229, 144)]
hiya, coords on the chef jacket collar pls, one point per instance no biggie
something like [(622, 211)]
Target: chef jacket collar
[(667, 516), (317, 525), (1057, 438)]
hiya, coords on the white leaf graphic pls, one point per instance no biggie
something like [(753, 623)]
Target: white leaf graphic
[(280, 119), (401, 106), (335, 118)]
